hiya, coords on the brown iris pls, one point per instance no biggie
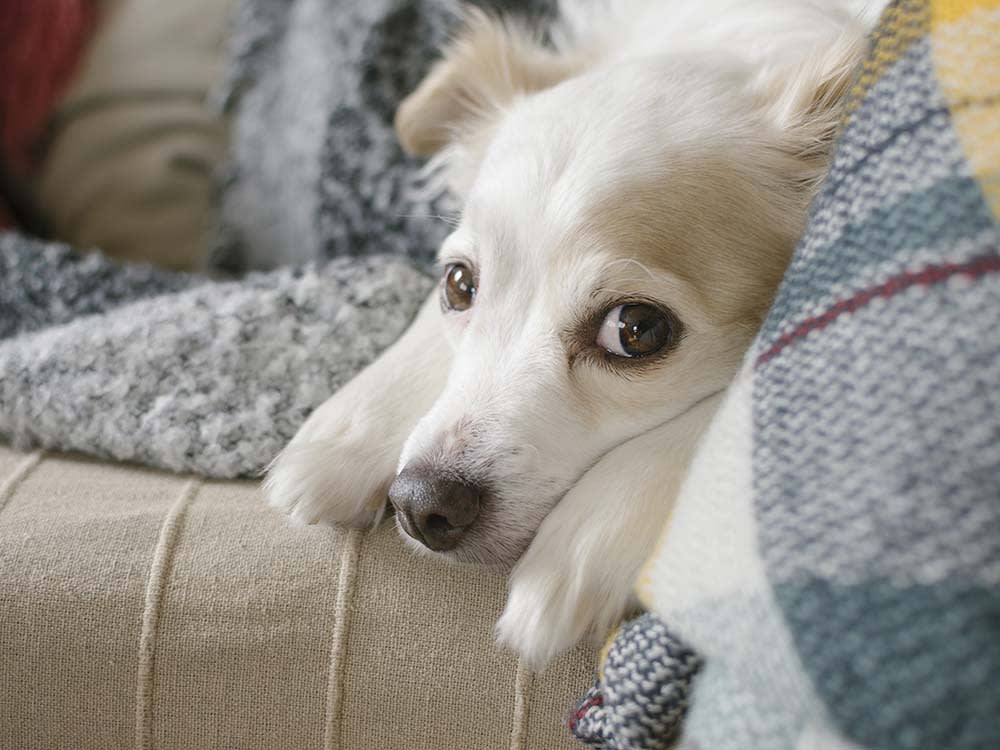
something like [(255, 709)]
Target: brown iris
[(642, 330), (459, 287)]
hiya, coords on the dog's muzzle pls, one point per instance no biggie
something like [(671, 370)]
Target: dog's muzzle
[(434, 510)]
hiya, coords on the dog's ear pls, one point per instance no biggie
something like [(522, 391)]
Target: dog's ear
[(809, 104), (488, 65)]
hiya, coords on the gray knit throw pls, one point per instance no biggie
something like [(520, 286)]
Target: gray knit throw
[(180, 373)]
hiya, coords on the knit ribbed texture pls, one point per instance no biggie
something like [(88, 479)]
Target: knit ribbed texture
[(181, 373)]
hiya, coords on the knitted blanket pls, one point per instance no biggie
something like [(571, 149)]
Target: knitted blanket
[(834, 556), (326, 79), (179, 372)]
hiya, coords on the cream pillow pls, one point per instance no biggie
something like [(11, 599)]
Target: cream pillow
[(134, 143)]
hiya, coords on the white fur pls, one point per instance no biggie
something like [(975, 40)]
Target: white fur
[(662, 150)]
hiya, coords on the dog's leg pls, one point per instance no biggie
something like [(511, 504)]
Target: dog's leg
[(339, 465), (576, 577)]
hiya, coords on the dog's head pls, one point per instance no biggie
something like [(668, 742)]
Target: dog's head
[(625, 225)]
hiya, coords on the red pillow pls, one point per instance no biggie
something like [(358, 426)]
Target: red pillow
[(42, 43)]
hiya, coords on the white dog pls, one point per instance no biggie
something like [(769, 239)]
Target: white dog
[(632, 190)]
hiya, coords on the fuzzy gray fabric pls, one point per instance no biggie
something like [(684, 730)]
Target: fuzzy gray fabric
[(180, 373), (44, 285), (316, 169), (327, 78)]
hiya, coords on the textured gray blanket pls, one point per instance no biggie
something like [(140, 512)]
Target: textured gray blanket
[(316, 169), (187, 374), (177, 372)]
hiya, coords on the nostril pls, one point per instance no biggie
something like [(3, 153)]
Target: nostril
[(437, 524), (462, 503)]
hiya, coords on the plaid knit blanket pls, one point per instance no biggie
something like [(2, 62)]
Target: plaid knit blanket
[(834, 557)]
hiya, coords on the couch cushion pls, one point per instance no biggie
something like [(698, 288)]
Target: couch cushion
[(140, 608)]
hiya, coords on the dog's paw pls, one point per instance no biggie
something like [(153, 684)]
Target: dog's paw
[(575, 579), (552, 605), (330, 480), (339, 466), (540, 620)]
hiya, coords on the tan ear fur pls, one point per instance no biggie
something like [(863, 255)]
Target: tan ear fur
[(811, 105), (489, 64)]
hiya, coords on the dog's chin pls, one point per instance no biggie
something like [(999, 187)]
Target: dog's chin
[(482, 549)]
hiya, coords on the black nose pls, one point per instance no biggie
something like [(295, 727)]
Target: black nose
[(432, 509)]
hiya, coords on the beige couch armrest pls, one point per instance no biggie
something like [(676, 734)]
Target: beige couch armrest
[(142, 609)]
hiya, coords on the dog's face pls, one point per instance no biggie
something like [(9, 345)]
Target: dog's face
[(622, 234)]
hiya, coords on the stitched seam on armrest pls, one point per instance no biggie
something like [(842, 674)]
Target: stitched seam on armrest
[(156, 585), (9, 486), (349, 555), (522, 694)]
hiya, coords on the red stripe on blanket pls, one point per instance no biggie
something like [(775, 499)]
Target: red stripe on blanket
[(929, 276), (593, 701)]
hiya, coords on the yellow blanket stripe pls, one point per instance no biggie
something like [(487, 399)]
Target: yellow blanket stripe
[(965, 40), (901, 26)]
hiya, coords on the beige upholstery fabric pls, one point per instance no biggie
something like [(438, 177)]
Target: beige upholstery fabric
[(129, 168), (146, 610)]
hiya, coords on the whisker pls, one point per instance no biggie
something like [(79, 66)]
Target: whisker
[(452, 221)]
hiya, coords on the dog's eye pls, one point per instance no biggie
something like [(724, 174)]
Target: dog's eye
[(635, 330), (459, 289)]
